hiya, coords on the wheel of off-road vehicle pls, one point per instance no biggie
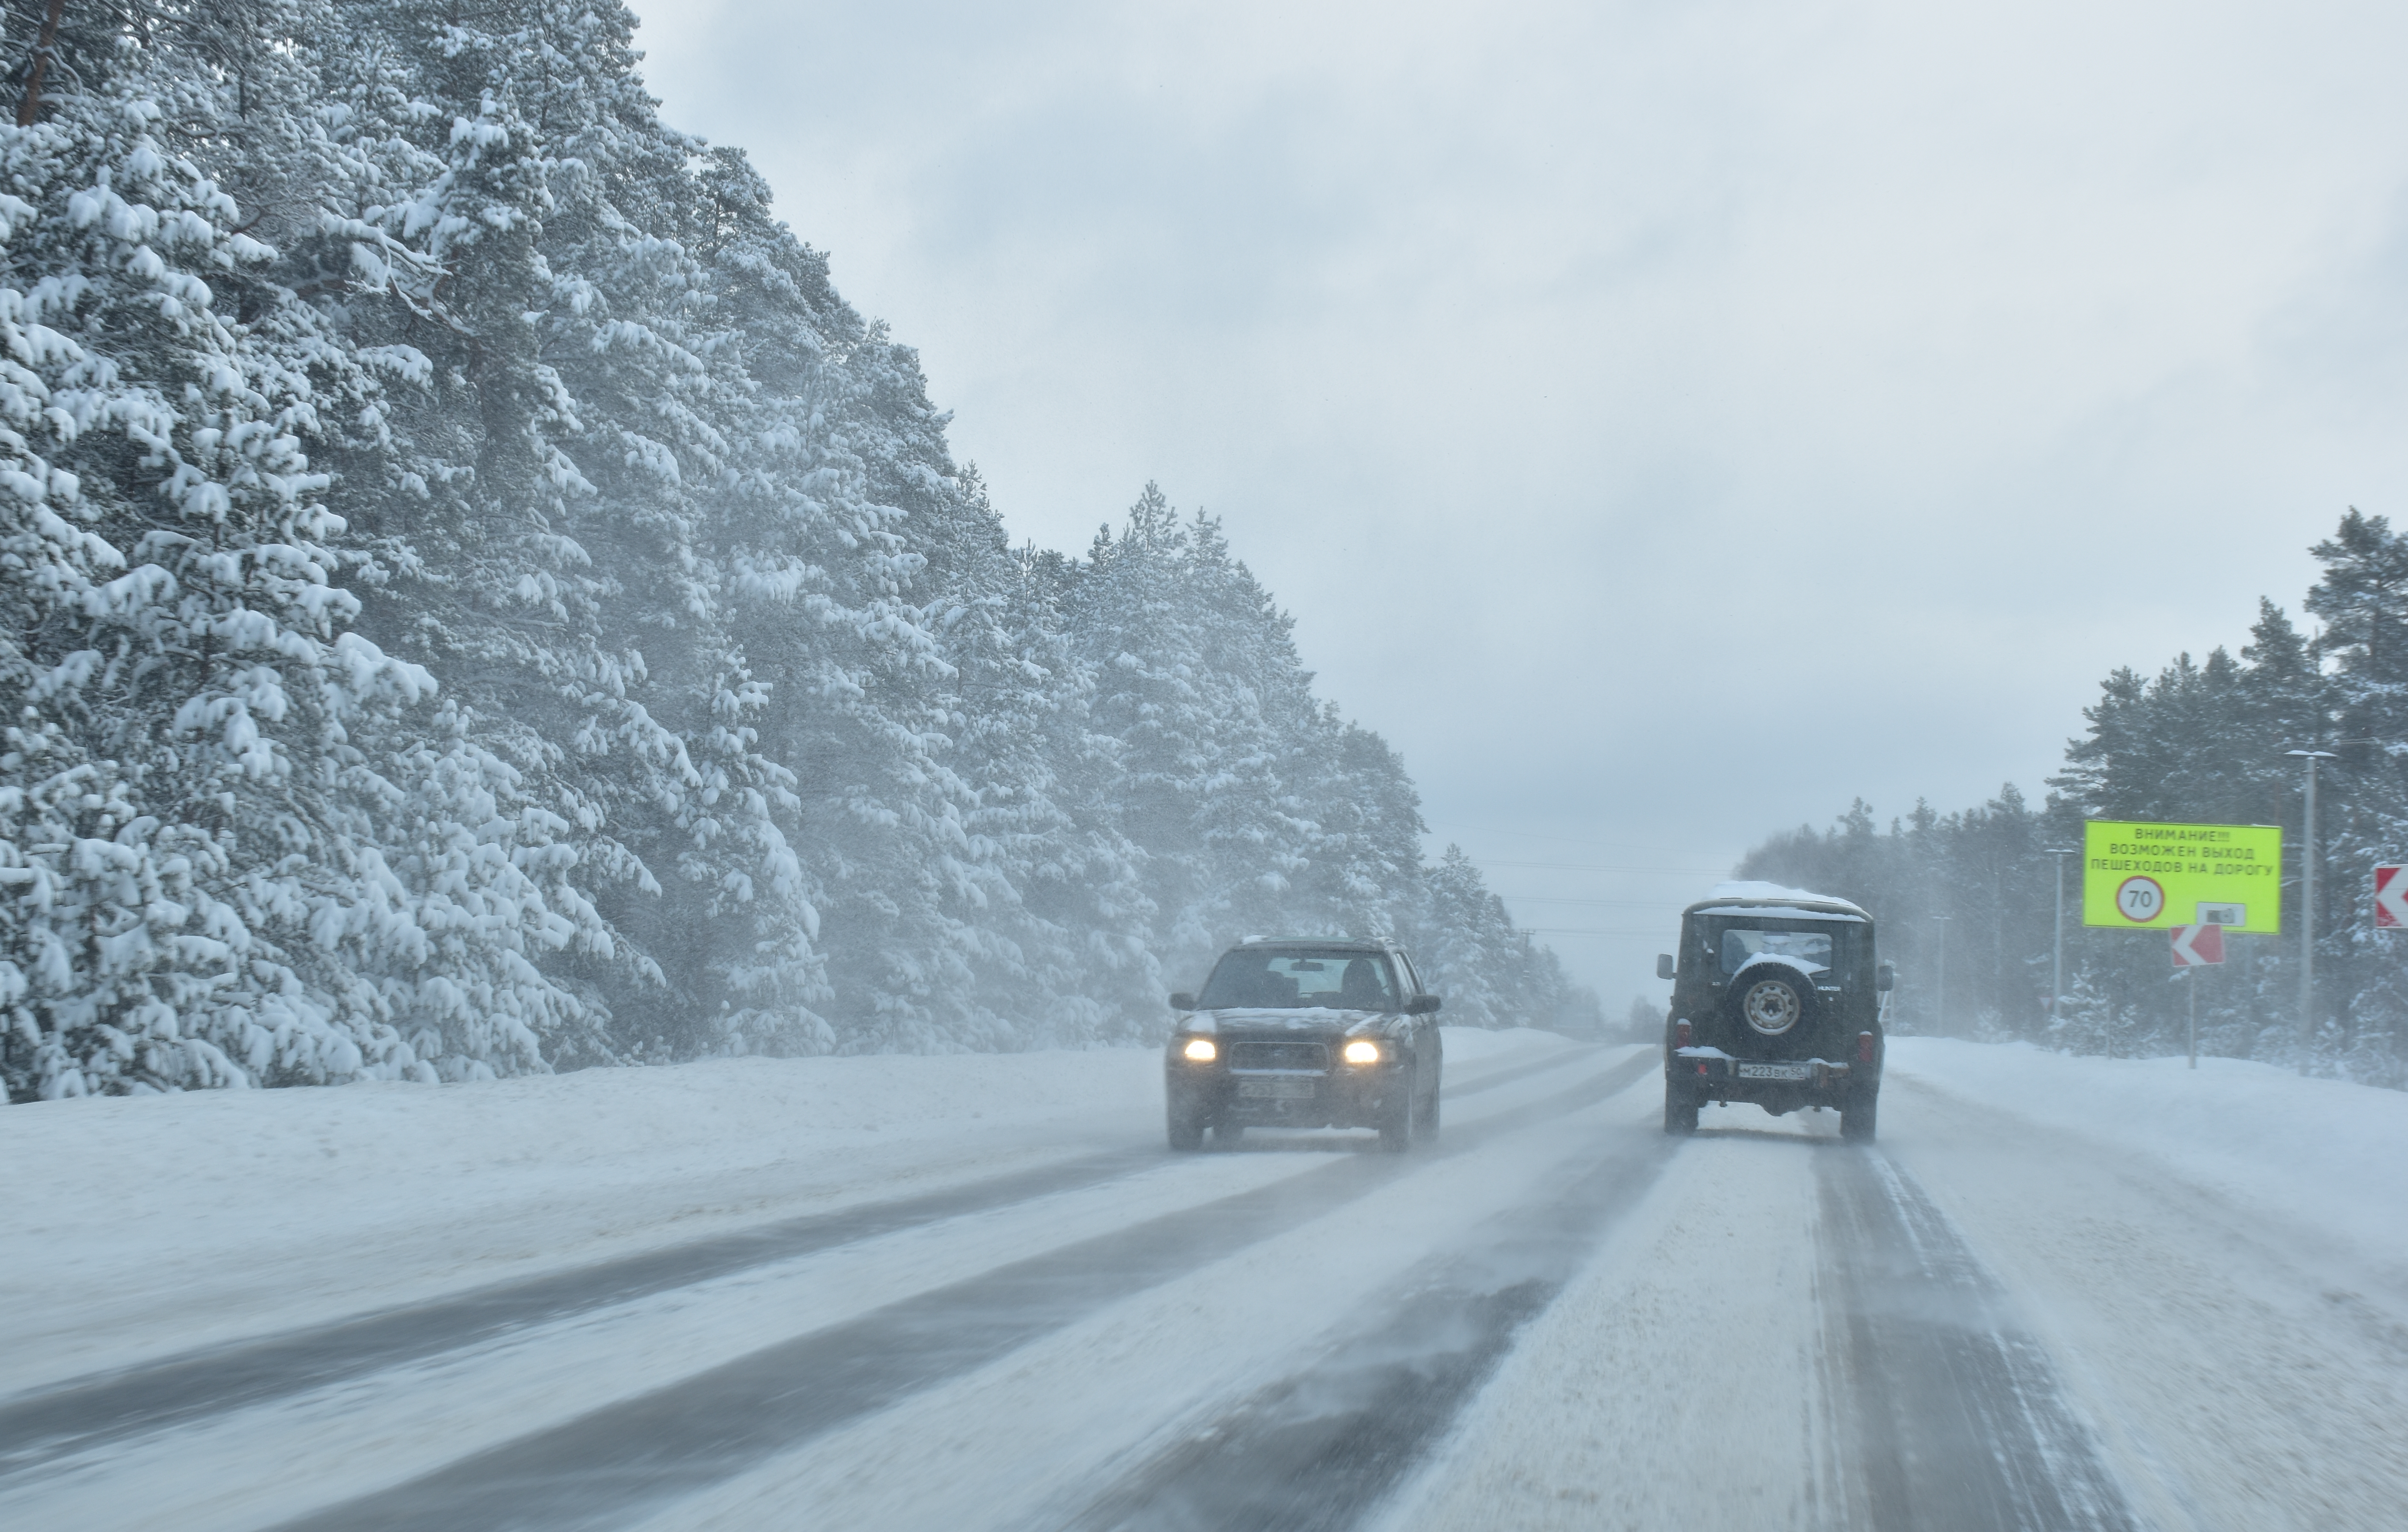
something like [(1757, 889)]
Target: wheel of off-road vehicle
[(1772, 1001), (1399, 1116), (1187, 1131), (1857, 1116), (1680, 1109)]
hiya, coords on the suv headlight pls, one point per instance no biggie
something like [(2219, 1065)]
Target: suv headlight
[(1361, 1050), (1200, 1051)]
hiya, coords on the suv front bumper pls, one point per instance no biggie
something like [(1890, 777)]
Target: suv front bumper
[(1351, 1096)]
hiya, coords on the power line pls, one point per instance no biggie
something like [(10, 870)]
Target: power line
[(1571, 840), (1611, 904), (1583, 866)]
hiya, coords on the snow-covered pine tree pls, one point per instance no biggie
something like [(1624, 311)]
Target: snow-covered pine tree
[(542, 489), (1060, 956), (841, 475), (214, 854), (1466, 946), (943, 913), (1271, 748), (2087, 1021), (2362, 598), (1090, 882), (655, 364), (1365, 871), (1197, 679), (428, 265)]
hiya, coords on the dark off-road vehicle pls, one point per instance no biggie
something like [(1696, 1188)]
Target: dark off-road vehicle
[(1777, 999), (1306, 1034)]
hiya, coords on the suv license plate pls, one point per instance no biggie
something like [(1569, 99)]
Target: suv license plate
[(1278, 1090), (1775, 1072)]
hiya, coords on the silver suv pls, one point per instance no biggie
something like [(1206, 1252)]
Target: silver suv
[(1305, 1034)]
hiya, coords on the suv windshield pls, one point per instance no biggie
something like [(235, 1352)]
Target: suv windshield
[(1285, 977), (1811, 948)]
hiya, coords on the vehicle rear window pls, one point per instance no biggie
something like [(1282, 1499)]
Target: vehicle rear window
[(1811, 948), (1285, 977)]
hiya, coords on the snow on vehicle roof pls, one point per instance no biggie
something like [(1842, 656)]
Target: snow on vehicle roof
[(1746, 888), (1776, 911), (1761, 898)]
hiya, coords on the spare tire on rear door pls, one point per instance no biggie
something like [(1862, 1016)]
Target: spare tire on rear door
[(1772, 1000)]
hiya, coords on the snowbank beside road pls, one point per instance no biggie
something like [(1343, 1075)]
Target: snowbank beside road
[(2318, 1150), (153, 1223), (162, 1222)]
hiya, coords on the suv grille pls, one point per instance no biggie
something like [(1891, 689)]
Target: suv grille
[(1279, 1055)]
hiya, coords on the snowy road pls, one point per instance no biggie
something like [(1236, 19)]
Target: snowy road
[(1556, 1318)]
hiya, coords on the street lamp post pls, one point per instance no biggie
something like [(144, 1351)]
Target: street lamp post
[(2056, 975), (2190, 994), (1940, 998), (2308, 910)]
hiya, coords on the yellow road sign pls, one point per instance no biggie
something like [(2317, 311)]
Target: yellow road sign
[(2145, 876)]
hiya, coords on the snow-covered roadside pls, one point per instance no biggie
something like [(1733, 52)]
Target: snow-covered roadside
[(146, 1223), (142, 1224), (2213, 1260), (2320, 1153)]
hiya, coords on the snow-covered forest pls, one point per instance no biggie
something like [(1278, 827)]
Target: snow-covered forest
[(477, 600), (2202, 742)]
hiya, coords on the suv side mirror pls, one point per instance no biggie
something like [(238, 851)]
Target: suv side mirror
[(1885, 977), (1422, 1005), (1183, 1001), (1666, 967)]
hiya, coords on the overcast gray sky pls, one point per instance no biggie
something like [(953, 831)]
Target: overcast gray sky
[(1666, 420)]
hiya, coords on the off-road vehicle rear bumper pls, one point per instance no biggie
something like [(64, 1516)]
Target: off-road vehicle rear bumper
[(1777, 1085)]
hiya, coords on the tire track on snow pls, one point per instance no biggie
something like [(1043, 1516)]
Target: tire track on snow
[(621, 1463), (80, 1414)]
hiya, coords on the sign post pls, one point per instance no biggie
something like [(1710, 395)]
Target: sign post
[(2195, 947), (2308, 909), (2196, 881)]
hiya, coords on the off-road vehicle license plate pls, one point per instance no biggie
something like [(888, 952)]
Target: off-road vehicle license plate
[(1775, 1072), (1276, 1090)]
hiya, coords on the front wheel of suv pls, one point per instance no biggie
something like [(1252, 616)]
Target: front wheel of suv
[(1399, 1116), (1680, 1109), (1186, 1128)]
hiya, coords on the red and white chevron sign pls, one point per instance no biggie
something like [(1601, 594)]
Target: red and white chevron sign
[(2390, 898), (2198, 946)]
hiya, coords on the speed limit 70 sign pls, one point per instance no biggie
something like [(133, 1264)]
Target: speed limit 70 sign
[(2139, 899)]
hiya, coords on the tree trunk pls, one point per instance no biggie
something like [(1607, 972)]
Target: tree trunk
[(29, 106)]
